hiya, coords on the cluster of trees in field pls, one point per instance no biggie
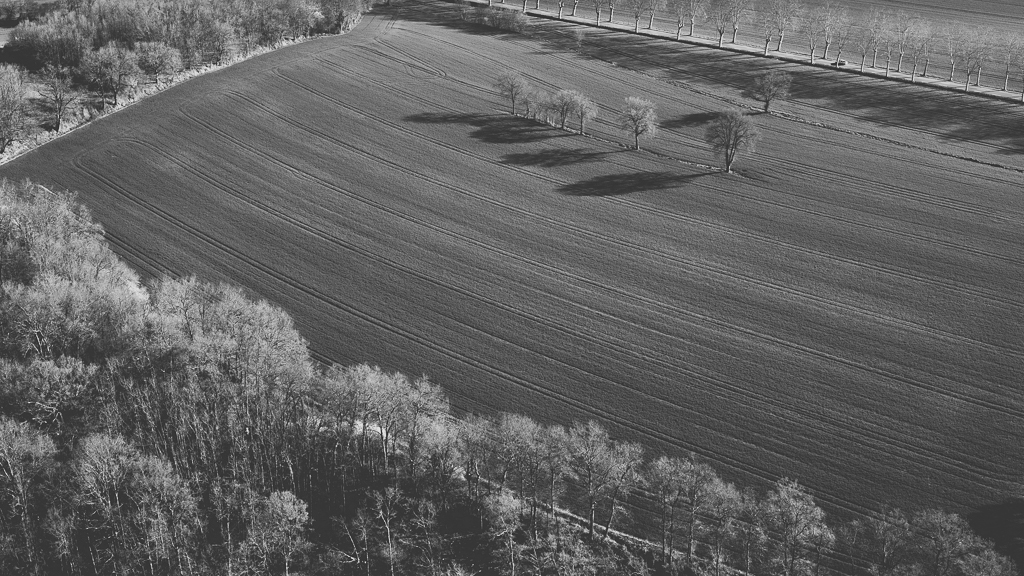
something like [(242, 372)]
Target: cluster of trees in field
[(109, 48), (897, 40), (727, 134), (184, 429)]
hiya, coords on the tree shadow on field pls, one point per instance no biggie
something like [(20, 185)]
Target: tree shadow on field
[(690, 120), (1003, 524), (628, 183), (494, 129), (554, 157)]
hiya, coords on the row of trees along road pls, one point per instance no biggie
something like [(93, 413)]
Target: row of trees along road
[(69, 51), (184, 429), (727, 133), (895, 40)]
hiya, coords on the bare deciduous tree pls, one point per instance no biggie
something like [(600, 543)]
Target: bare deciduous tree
[(770, 86), (904, 26), (654, 6), (611, 8), (584, 109), (13, 105), (639, 119), (729, 133), (785, 13), (57, 93), (688, 12), (921, 41), (719, 13), (798, 527), (954, 37), (811, 26), (512, 86), (835, 22), (638, 8), (1010, 48), (738, 10), (563, 105)]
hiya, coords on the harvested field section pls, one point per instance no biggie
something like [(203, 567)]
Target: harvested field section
[(844, 310)]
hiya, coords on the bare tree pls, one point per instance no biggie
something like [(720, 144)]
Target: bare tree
[(1010, 48), (976, 52), (729, 133), (688, 11), (876, 25), (652, 7), (638, 8), (611, 8), (639, 119), (720, 15), (738, 10), (888, 40), (583, 108), (835, 21), (954, 37), (561, 7), (598, 6), (765, 18), (563, 105), (512, 86), (13, 106), (786, 14), (904, 26), (798, 526), (811, 25), (575, 3), (664, 479), (770, 86), (921, 46), (841, 36), (57, 93)]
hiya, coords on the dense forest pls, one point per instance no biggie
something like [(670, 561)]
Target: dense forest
[(181, 427)]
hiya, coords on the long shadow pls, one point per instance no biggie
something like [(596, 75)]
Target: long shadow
[(494, 129), (628, 183), (554, 157), (689, 120), (1003, 524)]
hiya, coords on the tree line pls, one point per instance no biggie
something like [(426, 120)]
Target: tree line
[(109, 48), (182, 428), (896, 40), (727, 134)]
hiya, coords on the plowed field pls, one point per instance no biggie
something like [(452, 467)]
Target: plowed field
[(846, 309)]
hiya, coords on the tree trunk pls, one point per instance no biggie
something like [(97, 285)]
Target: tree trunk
[(597, 19), (636, 140), (863, 59), (691, 25), (782, 35), (679, 29), (899, 63), (824, 53), (767, 41), (913, 73), (650, 25), (967, 84), (636, 26), (524, 6), (888, 60), (574, 5), (952, 68), (927, 60), (735, 31), (559, 11), (1006, 81), (721, 35), (977, 79), (874, 58), (611, 13)]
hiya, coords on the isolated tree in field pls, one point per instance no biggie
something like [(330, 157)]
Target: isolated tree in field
[(688, 12), (729, 133), (1010, 48), (639, 119), (770, 86), (513, 87), (797, 525), (13, 106), (584, 109)]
